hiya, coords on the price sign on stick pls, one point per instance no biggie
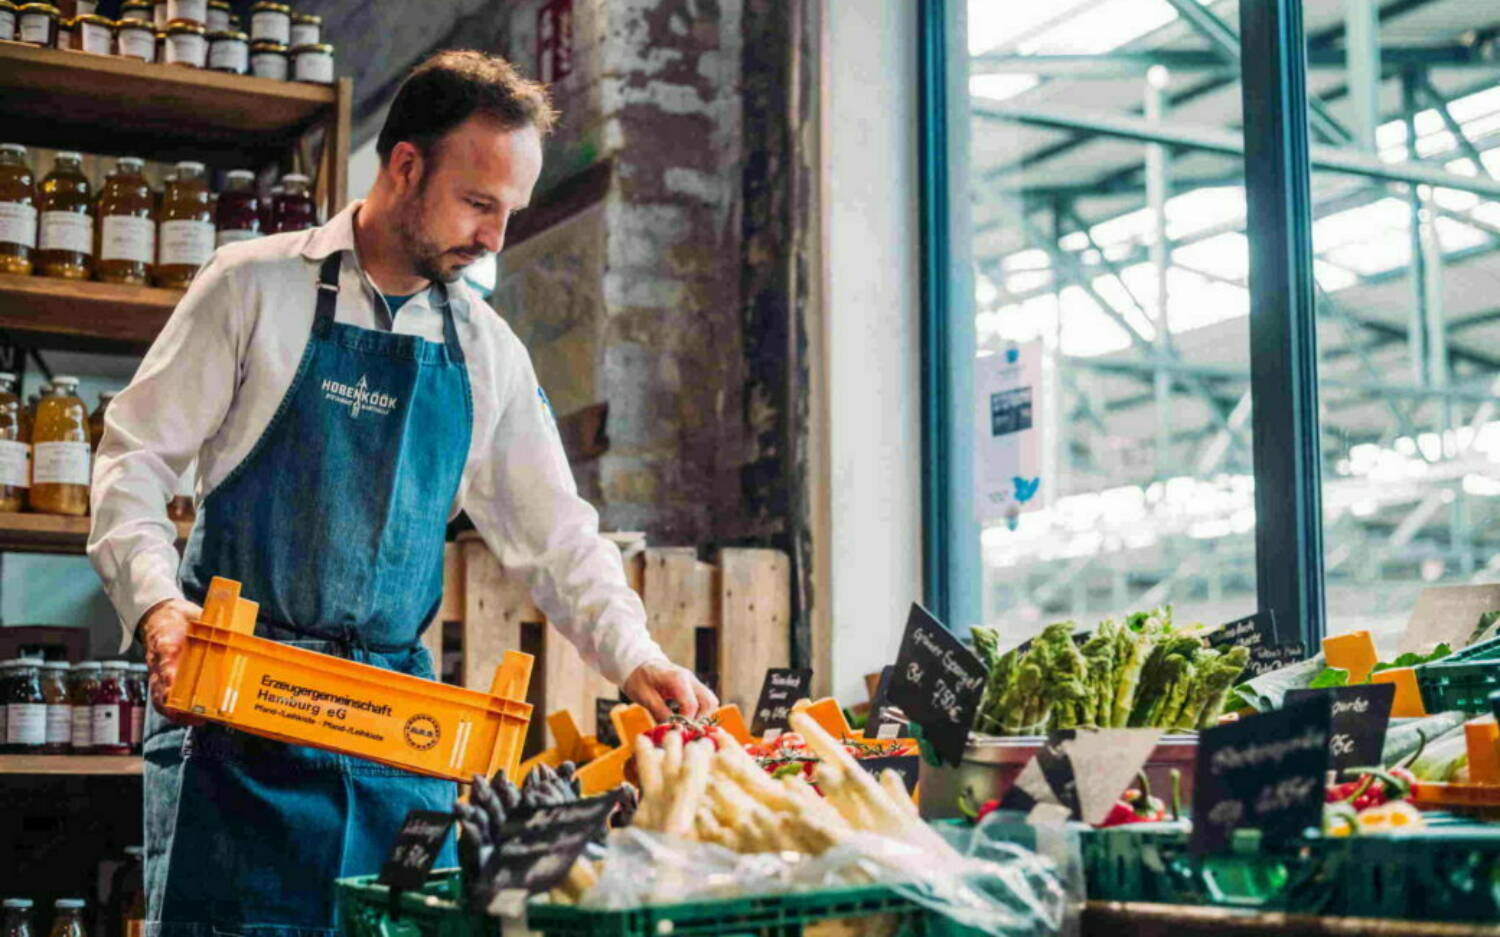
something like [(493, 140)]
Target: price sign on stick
[(421, 838), (937, 683), (604, 727), (908, 766), (1251, 631), (1264, 772), (537, 849), (1361, 715), (1265, 658), (782, 687)]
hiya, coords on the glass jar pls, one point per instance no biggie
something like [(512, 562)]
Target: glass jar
[(136, 39), (229, 51), (66, 230), (126, 244), (187, 44), (25, 708), (237, 216), (15, 449), (186, 235), (96, 419), (28, 413), (313, 63), (307, 30), (139, 11), (188, 11), (17, 917), (67, 918), (293, 208), (7, 21), (60, 452), (271, 22), (59, 710), (268, 60), (138, 688), (111, 711), (37, 24), (127, 895), (17, 210), (83, 680), (219, 16), (93, 33), (159, 17)]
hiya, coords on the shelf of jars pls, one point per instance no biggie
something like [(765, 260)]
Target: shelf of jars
[(54, 533), (82, 314), (116, 765)]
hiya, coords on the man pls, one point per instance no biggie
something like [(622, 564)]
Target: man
[(345, 394)]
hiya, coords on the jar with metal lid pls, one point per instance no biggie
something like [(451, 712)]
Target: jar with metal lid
[(313, 63), (37, 24), (269, 60), (229, 51), (25, 708), (111, 710), (188, 11), (15, 447), (219, 16), (7, 20), (83, 679), (187, 44), (138, 11), (307, 29), (18, 201), (60, 452), (94, 33), (271, 22), (136, 39), (59, 710), (237, 216), (96, 419), (126, 243), (292, 209), (66, 233), (186, 233)]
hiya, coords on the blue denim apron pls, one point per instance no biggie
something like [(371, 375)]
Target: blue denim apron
[(334, 523)]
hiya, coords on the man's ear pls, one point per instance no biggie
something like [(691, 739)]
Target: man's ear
[(406, 166)]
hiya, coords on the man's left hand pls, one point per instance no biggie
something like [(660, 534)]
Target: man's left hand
[(653, 683)]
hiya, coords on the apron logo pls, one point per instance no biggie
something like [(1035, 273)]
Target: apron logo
[(359, 397), (422, 732)]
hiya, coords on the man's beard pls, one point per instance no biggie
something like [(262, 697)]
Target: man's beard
[(426, 257)]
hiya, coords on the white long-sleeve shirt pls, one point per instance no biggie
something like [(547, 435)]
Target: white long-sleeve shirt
[(214, 377)]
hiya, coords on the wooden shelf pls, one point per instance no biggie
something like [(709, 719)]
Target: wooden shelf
[(71, 764), (82, 315), (112, 104), (52, 533)]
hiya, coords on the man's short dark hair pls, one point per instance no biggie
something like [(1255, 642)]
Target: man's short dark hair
[(449, 88)]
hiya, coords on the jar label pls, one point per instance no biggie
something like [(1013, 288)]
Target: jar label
[(229, 55), (37, 28), (269, 65), (271, 25), (137, 726), (96, 38), (67, 231), (218, 20), (194, 11), (83, 726), (128, 237), (59, 723), (315, 67), (234, 236), (138, 44), (304, 34), (18, 224), (7, 24), (26, 724), (61, 463), (15, 463), (188, 243), (186, 49), (106, 724)]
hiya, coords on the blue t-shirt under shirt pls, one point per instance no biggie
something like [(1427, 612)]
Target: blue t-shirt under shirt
[(396, 302)]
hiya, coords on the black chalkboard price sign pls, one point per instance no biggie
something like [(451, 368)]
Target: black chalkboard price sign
[(908, 766), (1265, 658), (1265, 772), (604, 727), (782, 687), (937, 683), (421, 838), (537, 849), (1251, 631), (1361, 715)]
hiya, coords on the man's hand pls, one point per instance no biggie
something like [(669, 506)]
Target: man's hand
[(653, 683), (164, 631)]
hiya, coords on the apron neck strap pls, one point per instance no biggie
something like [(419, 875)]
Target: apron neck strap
[(450, 330), (328, 292)]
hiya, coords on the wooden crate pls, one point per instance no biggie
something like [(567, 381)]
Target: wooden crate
[(730, 618)]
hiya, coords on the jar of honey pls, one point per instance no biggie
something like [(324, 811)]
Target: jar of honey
[(83, 680), (17, 210), (237, 216), (293, 209), (28, 413), (186, 233), (59, 710), (126, 245), (60, 452), (66, 233), (15, 447), (96, 419)]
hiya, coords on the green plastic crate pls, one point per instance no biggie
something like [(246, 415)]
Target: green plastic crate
[(1462, 681), (1450, 872)]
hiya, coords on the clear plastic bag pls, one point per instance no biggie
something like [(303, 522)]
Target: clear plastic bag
[(988, 884)]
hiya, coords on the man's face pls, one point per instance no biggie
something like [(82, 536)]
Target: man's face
[(453, 206)]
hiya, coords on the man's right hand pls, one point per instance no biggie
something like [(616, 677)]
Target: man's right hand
[(164, 630)]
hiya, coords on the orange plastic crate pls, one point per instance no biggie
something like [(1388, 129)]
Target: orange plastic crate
[(1475, 800), (294, 695)]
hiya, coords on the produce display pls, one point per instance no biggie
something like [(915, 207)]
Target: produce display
[(1143, 672), (789, 754)]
